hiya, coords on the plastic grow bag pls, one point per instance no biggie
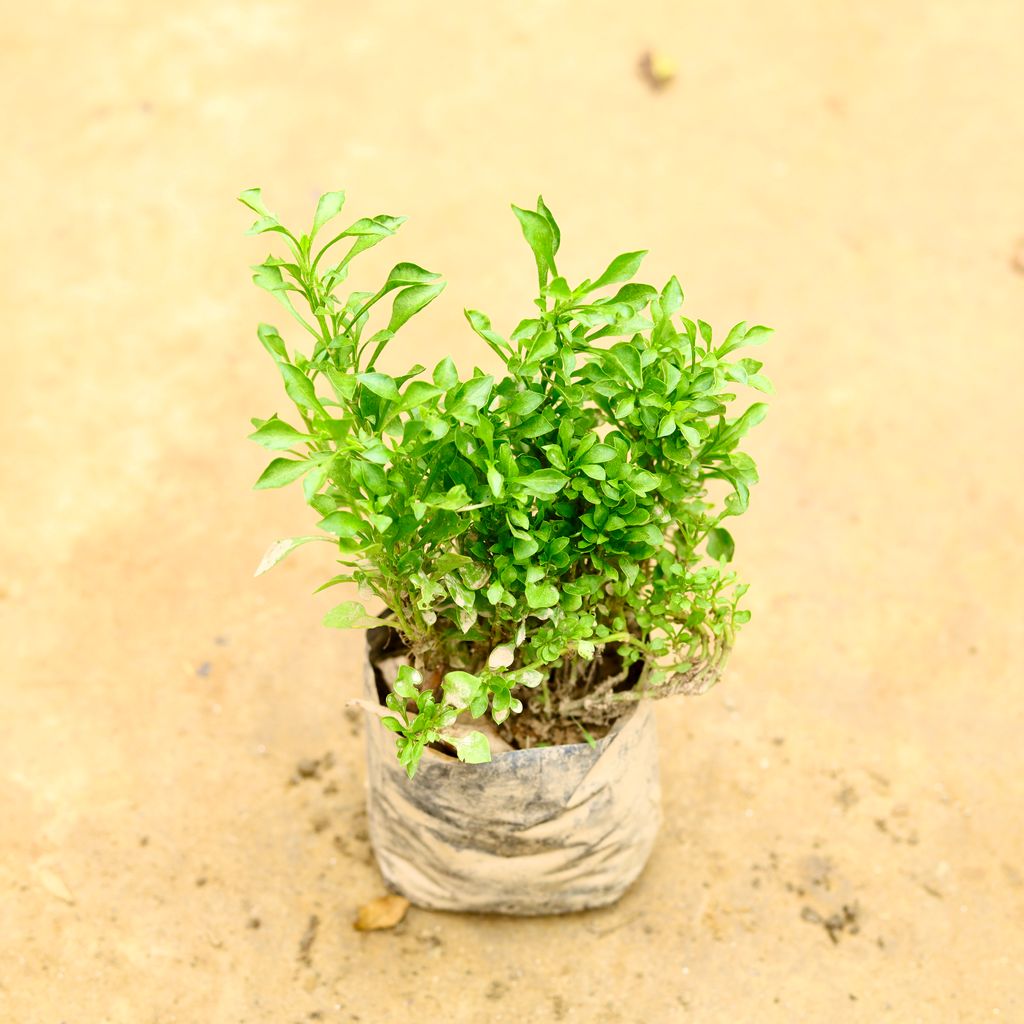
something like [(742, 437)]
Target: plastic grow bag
[(546, 830)]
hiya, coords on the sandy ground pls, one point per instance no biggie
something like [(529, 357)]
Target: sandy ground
[(848, 173)]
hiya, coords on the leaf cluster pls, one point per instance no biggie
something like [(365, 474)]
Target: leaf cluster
[(548, 540)]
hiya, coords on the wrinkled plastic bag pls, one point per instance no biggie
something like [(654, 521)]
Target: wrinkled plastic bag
[(546, 830)]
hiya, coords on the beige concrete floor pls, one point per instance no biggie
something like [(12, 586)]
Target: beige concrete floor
[(851, 174)]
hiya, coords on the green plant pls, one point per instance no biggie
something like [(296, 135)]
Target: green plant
[(546, 540)]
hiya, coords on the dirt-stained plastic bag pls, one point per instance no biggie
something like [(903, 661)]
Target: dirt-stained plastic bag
[(547, 830)]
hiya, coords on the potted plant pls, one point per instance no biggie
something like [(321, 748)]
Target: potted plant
[(548, 546)]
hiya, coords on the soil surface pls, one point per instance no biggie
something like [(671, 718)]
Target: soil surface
[(183, 831)]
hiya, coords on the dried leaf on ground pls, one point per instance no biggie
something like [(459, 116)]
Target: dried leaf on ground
[(658, 69), (385, 912), (54, 884)]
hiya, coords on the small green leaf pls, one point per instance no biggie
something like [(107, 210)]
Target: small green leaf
[(407, 682), (279, 550), (559, 290), (525, 402), (482, 326), (526, 677), (352, 615), (403, 274), (761, 382), (541, 239), (341, 524), (473, 748), (277, 435), (300, 388), (599, 453), (636, 295), (733, 340), (758, 335), (314, 480), (418, 392), (495, 480), (344, 384), (460, 688), (541, 595), (627, 357), (556, 234), (253, 198), (368, 232), (380, 384), (690, 434), (544, 483), (281, 472), (329, 206), (268, 276), (409, 301), (754, 415), (524, 548), (622, 268), (272, 342), (671, 296), (475, 393), (721, 546), (536, 426), (445, 375), (265, 224)]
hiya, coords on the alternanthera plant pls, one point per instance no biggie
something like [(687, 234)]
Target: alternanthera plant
[(550, 542)]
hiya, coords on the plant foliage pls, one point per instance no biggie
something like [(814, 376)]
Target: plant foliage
[(546, 539)]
